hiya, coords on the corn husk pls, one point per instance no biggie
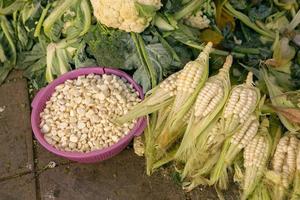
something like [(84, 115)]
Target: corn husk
[(155, 99), (229, 152), (197, 124), (261, 192), (183, 102), (155, 158), (205, 154)]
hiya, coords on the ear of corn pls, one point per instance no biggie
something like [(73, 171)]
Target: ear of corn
[(242, 102), (189, 82), (233, 146), (283, 166), (157, 98), (256, 155), (208, 104)]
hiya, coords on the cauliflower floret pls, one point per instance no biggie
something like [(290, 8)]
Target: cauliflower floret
[(199, 19), (124, 14)]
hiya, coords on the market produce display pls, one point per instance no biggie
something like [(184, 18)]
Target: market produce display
[(221, 80)]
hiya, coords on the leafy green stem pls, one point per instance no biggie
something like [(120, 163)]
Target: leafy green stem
[(41, 20), (4, 24), (19, 4), (149, 64), (245, 19), (214, 51), (55, 14), (190, 7), (140, 46)]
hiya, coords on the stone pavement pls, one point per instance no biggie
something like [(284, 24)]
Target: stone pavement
[(24, 174)]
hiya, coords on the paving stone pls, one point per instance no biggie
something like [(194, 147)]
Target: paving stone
[(119, 178), (209, 193), (20, 188), (43, 157), (16, 153)]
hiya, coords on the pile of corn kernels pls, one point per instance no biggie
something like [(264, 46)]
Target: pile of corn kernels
[(79, 115)]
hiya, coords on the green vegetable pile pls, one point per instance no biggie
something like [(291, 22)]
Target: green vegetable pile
[(184, 53), (48, 38)]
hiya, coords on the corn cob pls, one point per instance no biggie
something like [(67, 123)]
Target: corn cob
[(209, 143), (233, 146), (208, 104), (256, 156), (189, 82), (241, 103), (284, 160), (160, 96), (283, 166)]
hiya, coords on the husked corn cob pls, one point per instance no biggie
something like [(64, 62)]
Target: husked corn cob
[(192, 77), (246, 133), (256, 156), (233, 146), (157, 98), (284, 166), (256, 152), (241, 103), (208, 104), (169, 84), (214, 90), (284, 160), (189, 82)]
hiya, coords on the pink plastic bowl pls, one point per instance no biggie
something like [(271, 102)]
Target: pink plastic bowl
[(38, 104)]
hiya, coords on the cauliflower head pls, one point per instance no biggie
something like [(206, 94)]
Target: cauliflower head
[(126, 15)]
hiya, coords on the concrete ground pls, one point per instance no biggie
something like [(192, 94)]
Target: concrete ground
[(24, 174)]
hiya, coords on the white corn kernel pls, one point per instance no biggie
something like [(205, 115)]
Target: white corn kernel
[(78, 113)]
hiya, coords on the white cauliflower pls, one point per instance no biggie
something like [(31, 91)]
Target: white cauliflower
[(199, 19), (127, 15)]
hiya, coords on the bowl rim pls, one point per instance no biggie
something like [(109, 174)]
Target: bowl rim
[(137, 129)]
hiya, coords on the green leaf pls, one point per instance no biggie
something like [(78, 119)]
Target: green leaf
[(239, 4), (70, 19), (260, 12), (142, 77), (81, 59), (4, 71), (7, 40), (147, 11), (6, 7)]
